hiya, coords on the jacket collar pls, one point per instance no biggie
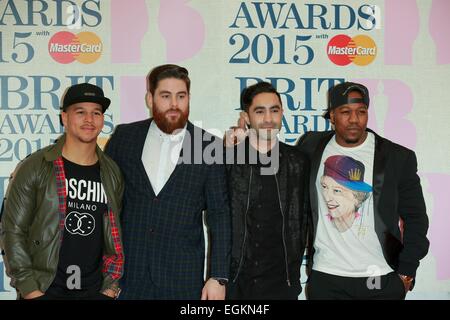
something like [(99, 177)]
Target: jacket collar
[(317, 157), (281, 174), (187, 148), (378, 179), (245, 148)]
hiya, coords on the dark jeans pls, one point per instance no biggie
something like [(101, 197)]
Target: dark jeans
[(324, 286), (95, 295), (262, 288), (146, 289)]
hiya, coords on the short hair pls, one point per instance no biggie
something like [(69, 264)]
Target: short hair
[(166, 71), (250, 92)]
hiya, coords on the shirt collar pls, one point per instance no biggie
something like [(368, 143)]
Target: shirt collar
[(165, 136)]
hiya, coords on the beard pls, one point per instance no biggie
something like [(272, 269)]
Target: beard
[(166, 124), (354, 139), (351, 140)]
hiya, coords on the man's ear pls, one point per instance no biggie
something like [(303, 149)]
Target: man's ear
[(332, 117), (246, 118), (149, 100), (63, 118)]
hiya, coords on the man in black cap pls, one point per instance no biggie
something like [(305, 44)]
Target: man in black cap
[(60, 230), (367, 256)]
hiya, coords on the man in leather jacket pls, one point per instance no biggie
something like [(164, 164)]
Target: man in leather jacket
[(60, 233), (268, 183)]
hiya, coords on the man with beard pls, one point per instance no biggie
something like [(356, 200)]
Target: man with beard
[(168, 184), (268, 186)]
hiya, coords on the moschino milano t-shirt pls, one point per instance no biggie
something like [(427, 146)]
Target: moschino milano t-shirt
[(80, 259)]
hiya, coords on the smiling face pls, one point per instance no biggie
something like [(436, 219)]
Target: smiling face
[(265, 115), (341, 201), (350, 122), (83, 122), (170, 104)]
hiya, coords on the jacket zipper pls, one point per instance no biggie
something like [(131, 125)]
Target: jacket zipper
[(282, 236), (245, 226)]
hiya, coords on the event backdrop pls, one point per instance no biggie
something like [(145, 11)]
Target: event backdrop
[(399, 48)]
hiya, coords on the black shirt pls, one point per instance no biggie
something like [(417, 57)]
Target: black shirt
[(264, 253), (80, 257)]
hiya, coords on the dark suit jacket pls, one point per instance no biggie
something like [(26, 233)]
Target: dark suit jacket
[(163, 236), (396, 193)]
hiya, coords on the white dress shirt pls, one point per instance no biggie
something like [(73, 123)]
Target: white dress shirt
[(160, 155)]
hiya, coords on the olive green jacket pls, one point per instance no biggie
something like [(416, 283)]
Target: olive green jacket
[(32, 221)]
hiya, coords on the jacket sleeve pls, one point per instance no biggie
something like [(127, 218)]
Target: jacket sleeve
[(307, 143), (306, 201), (116, 262), (18, 215), (308, 228), (412, 210), (300, 140), (113, 264), (218, 219)]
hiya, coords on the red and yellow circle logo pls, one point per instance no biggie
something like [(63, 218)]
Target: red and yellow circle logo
[(66, 47), (343, 50)]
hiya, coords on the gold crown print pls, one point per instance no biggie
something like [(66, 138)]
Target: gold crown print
[(354, 174)]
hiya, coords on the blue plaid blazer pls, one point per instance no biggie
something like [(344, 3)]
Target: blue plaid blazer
[(163, 236)]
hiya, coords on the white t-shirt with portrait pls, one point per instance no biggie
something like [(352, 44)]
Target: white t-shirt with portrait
[(346, 243)]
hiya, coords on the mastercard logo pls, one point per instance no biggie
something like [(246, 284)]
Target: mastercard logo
[(343, 50), (66, 47)]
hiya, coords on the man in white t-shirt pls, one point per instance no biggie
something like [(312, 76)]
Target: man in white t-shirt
[(361, 186)]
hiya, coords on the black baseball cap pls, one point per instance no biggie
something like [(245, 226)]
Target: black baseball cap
[(338, 96), (85, 92)]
